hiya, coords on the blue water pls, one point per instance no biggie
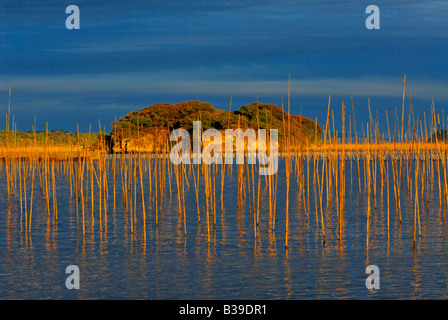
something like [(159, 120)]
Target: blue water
[(161, 263)]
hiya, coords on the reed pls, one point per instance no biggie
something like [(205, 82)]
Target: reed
[(406, 163)]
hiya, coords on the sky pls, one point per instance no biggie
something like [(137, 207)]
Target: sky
[(131, 54)]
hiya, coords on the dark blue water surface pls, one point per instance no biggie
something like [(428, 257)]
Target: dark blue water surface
[(161, 263)]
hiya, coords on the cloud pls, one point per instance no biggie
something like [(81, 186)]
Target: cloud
[(150, 84), (139, 52)]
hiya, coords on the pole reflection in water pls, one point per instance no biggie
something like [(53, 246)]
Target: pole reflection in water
[(206, 231)]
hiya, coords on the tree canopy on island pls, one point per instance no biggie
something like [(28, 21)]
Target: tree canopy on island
[(164, 117)]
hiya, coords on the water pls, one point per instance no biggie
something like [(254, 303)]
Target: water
[(115, 264)]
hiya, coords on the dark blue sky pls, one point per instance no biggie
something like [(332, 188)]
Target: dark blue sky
[(131, 54)]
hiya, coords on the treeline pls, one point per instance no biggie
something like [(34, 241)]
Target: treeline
[(54, 138), (164, 117)]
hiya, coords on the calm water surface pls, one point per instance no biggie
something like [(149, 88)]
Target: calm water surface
[(162, 264)]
